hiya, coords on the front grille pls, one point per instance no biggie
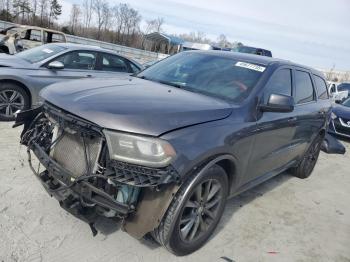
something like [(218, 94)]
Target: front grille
[(340, 129), (139, 176), (76, 153)]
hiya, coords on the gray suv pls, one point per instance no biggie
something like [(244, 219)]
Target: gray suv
[(23, 75), (163, 150)]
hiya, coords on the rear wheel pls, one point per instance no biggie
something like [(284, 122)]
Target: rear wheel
[(194, 213), (307, 164), (12, 99)]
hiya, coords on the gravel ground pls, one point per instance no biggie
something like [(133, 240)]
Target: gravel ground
[(284, 219)]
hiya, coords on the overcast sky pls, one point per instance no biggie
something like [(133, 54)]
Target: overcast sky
[(310, 32)]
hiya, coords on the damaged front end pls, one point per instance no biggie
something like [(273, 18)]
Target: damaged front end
[(86, 181)]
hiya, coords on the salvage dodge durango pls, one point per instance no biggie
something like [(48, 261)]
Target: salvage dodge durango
[(165, 148)]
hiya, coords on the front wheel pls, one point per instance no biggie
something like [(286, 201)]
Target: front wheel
[(12, 99), (307, 164), (194, 212)]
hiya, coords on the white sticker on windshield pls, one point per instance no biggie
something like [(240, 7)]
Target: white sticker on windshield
[(251, 66), (48, 51)]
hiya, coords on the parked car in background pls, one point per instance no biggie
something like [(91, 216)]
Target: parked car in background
[(337, 94), (166, 148), (23, 75), (344, 87), (15, 39), (252, 50), (340, 122)]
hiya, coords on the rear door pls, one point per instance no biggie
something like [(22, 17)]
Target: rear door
[(276, 142), (110, 65), (309, 114)]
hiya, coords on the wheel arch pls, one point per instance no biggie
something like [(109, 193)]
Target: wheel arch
[(20, 84), (5, 49)]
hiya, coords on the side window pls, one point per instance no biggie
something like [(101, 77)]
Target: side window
[(134, 68), (53, 37), (113, 63), (321, 87), (280, 83), (83, 60), (35, 35), (304, 90), (344, 87)]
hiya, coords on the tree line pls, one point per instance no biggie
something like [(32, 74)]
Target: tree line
[(98, 19)]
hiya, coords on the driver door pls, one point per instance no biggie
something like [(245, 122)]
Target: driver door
[(275, 142), (77, 65)]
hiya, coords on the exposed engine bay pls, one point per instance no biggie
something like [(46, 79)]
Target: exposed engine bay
[(81, 176)]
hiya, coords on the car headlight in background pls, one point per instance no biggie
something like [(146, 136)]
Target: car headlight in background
[(140, 150)]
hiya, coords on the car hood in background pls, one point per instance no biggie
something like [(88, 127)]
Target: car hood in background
[(13, 61), (135, 105), (341, 111)]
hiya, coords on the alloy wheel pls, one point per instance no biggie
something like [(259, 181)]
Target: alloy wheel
[(312, 156), (200, 210), (10, 102)]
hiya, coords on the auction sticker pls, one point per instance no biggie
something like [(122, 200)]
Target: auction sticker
[(251, 66), (48, 51)]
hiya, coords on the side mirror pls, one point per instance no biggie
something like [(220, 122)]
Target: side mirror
[(278, 103), (57, 65)]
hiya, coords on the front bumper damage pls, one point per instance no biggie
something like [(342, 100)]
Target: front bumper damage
[(113, 189)]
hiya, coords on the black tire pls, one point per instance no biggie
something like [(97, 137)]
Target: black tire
[(308, 162), (20, 100), (171, 235)]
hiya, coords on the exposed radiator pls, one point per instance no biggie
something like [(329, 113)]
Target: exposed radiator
[(69, 153)]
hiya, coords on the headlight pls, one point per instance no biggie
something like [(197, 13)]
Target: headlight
[(140, 150), (333, 116)]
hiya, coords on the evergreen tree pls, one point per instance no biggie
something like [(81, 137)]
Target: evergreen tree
[(55, 10)]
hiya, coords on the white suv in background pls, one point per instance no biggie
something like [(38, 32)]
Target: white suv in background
[(337, 95)]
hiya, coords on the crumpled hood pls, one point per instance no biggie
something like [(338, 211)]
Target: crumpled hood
[(13, 61), (134, 105)]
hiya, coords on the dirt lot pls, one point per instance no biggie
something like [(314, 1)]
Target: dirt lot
[(284, 219)]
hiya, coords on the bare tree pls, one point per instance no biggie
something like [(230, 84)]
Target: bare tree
[(99, 7), (21, 7), (107, 17), (43, 5), (74, 18), (198, 37), (87, 13), (5, 9), (154, 25), (34, 11)]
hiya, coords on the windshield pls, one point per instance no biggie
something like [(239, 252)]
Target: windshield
[(209, 74), (346, 103), (40, 53), (344, 87)]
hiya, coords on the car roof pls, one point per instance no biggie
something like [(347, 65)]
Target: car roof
[(72, 46), (258, 59), (37, 28)]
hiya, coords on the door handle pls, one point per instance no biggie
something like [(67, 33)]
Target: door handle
[(321, 112), (88, 75), (292, 119)]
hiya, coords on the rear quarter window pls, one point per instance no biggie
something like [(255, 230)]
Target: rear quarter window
[(321, 87), (304, 91)]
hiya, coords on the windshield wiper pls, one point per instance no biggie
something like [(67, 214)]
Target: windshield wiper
[(167, 83)]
